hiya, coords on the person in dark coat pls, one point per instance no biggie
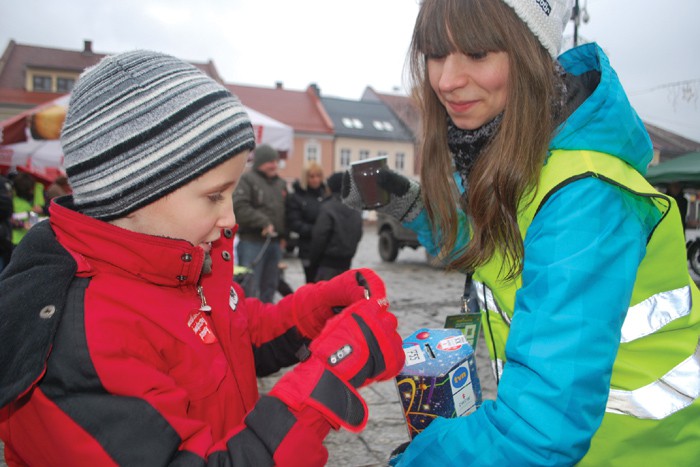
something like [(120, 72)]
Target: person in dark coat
[(302, 208), (259, 208), (5, 224), (336, 234), (675, 190)]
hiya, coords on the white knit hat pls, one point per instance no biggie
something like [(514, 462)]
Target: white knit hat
[(546, 19)]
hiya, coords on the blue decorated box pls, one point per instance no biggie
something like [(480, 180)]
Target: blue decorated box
[(439, 378)]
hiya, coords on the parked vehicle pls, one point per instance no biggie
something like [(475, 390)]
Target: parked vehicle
[(393, 236)]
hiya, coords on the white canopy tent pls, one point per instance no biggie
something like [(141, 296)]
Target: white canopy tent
[(270, 131)]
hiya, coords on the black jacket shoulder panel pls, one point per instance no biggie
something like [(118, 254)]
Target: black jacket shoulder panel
[(33, 289)]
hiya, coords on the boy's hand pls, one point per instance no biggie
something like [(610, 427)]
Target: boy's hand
[(314, 304), (357, 347)]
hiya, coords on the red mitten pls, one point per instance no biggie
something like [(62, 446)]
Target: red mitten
[(314, 304), (357, 347)]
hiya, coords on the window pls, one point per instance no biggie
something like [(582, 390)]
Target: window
[(400, 162), (312, 152), (345, 155), (43, 80), (41, 83), (364, 154), (352, 123), (64, 84), (382, 126)]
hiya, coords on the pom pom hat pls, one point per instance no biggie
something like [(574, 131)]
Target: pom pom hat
[(142, 124), (546, 19)]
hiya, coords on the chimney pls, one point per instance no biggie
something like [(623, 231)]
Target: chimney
[(278, 84), (315, 89), (87, 47)]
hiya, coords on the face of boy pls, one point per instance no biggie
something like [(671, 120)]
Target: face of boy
[(195, 212)]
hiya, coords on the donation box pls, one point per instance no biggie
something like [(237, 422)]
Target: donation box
[(439, 378)]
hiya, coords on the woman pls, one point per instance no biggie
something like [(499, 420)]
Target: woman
[(590, 316), (302, 208)]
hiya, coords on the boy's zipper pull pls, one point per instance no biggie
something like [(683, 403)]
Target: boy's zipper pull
[(205, 308)]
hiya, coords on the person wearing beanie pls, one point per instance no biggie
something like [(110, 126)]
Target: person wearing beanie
[(532, 178), (336, 234), (125, 340), (259, 204)]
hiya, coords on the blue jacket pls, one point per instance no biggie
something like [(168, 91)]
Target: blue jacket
[(606, 228)]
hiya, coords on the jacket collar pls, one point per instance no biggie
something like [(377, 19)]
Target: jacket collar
[(99, 245)]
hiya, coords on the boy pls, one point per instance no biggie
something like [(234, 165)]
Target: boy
[(125, 340)]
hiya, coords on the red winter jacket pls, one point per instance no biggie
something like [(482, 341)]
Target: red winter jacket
[(124, 366)]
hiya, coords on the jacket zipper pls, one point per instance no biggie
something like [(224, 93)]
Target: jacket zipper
[(204, 307)]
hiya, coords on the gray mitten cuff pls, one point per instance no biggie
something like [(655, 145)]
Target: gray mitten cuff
[(349, 192), (405, 201)]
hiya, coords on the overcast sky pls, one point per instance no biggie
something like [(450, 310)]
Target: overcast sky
[(345, 46)]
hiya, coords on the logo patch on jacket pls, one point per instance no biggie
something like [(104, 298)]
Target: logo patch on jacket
[(199, 324), (233, 299)]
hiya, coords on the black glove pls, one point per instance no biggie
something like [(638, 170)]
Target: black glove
[(405, 201)]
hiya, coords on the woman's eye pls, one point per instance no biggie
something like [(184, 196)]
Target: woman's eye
[(216, 197), (477, 55), (435, 56)]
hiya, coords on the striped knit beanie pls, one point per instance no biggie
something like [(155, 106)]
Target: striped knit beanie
[(142, 124), (546, 19)]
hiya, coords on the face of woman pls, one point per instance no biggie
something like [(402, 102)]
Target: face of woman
[(195, 212), (473, 88), (314, 180)]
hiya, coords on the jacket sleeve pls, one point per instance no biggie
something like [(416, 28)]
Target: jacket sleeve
[(244, 206), (320, 236), (294, 217), (431, 240), (582, 253), (274, 335)]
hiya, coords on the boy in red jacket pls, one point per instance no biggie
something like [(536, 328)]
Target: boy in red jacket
[(125, 340)]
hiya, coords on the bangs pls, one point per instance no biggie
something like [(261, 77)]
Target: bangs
[(444, 28)]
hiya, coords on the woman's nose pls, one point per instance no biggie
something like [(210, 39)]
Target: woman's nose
[(454, 73)]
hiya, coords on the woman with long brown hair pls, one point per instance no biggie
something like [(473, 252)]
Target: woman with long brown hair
[(591, 318)]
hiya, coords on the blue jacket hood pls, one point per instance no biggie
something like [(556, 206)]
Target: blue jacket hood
[(589, 127)]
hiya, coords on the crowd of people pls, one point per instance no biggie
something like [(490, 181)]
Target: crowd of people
[(326, 232), (125, 339)]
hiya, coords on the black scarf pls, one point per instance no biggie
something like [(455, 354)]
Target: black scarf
[(466, 145)]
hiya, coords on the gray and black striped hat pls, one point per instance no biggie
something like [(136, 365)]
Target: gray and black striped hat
[(142, 124)]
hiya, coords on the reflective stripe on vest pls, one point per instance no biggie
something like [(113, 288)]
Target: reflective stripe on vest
[(487, 302), (674, 391), (642, 319), (655, 312)]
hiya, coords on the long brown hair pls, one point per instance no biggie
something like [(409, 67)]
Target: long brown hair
[(508, 168)]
